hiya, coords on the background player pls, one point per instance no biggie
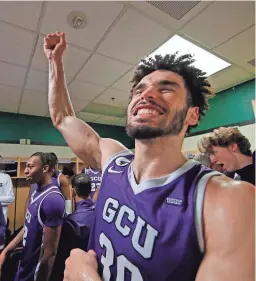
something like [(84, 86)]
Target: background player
[(43, 222), (76, 227), (95, 176), (145, 224)]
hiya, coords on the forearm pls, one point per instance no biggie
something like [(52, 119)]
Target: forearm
[(6, 200), (45, 268), (14, 243), (58, 98)]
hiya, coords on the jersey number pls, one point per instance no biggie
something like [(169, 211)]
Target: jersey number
[(25, 236), (121, 261), (95, 186)]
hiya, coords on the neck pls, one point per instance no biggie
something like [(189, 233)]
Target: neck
[(45, 181), (243, 160), (157, 157), (78, 199)]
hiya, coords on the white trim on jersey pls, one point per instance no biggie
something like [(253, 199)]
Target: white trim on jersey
[(199, 204), (41, 194), (115, 155), (58, 179), (39, 207)]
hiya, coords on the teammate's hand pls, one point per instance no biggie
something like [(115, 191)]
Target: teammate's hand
[(81, 266), (55, 45)]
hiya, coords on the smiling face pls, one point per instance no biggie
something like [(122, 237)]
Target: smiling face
[(159, 106)]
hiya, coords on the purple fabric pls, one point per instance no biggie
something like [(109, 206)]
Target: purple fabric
[(33, 229), (52, 210), (2, 227), (95, 177), (148, 234)]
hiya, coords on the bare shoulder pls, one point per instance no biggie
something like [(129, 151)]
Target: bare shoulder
[(108, 148), (228, 211)]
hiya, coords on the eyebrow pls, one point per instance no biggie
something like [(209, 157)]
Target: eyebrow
[(160, 83)]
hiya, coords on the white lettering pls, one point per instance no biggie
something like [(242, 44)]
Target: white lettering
[(108, 213), (125, 230)]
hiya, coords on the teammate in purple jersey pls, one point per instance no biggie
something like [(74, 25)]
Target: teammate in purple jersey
[(62, 182), (159, 217), (43, 220), (76, 227), (95, 176)]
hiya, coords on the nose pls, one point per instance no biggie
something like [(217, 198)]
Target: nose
[(149, 93), (26, 171)]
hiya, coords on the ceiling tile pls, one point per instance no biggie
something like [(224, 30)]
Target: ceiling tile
[(228, 78), (221, 21), (88, 117), (135, 35), (16, 44), (241, 48), (9, 97), (73, 58), (8, 93), (37, 80), (84, 90), (108, 120), (98, 16), (103, 109), (78, 104), (124, 83), (102, 70), (11, 74), (34, 103), (121, 98), (11, 11)]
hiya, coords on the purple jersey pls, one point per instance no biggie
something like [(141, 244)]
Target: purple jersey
[(45, 209), (56, 179), (95, 176), (149, 231), (2, 228)]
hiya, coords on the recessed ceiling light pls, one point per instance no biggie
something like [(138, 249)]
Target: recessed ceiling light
[(76, 19), (205, 61)]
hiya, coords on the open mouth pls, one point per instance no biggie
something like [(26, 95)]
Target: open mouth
[(147, 111)]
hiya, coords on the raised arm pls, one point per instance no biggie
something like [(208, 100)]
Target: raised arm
[(81, 138), (229, 231)]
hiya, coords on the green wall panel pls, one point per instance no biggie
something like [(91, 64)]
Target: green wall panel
[(232, 106)]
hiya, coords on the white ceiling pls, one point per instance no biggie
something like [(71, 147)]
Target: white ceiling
[(101, 57)]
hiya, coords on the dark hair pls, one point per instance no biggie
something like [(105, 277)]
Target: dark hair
[(45, 158), (82, 185), (67, 171), (224, 137), (198, 88), (54, 157)]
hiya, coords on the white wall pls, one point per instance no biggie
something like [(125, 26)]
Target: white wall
[(190, 143), (13, 150)]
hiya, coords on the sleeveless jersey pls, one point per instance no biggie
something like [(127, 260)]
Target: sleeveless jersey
[(56, 179), (2, 228), (33, 234), (95, 177), (149, 231)]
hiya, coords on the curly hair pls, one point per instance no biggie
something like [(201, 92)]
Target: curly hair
[(224, 136), (198, 88)]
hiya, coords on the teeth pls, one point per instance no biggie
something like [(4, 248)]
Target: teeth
[(147, 111)]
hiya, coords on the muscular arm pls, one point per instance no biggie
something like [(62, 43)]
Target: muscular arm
[(64, 186), (81, 138), (229, 225), (50, 244)]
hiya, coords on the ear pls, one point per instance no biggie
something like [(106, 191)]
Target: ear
[(233, 147), (46, 168), (192, 116)]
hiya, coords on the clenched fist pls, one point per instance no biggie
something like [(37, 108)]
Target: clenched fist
[(55, 45), (81, 266)]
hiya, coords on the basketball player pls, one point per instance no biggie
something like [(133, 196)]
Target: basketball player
[(62, 182), (229, 147), (76, 227), (159, 217), (43, 221), (95, 176)]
